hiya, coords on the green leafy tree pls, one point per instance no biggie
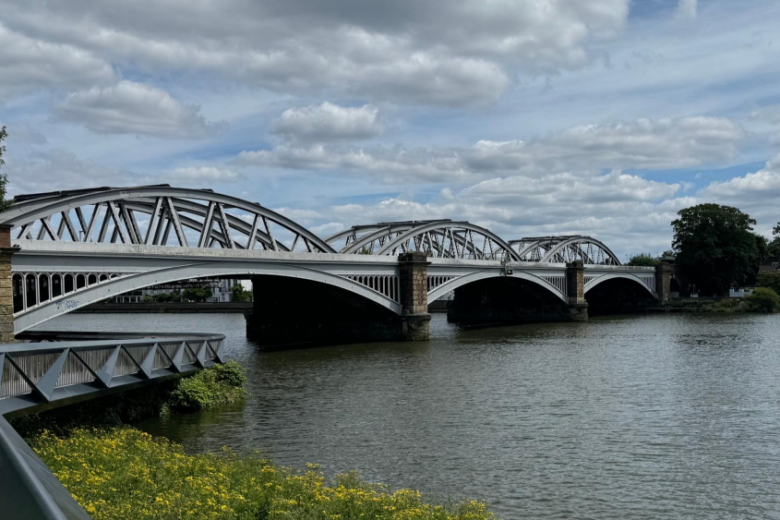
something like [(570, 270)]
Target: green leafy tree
[(773, 247), (769, 280), (239, 294), (3, 179), (716, 247), (197, 294), (643, 260)]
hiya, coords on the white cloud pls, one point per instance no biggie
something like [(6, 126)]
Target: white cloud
[(205, 173), (644, 143), (769, 114), (409, 51), (28, 64), (133, 108), (55, 169), (686, 9), (763, 185), (328, 122)]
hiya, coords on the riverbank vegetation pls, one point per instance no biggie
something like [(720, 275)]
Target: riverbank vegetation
[(763, 300), (125, 473), (218, 385)]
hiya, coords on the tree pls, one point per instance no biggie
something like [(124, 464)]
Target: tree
[(716, 247), (644, 260), (239, 294), (3, 179), (197, 295), (773, 248), (769, 280)]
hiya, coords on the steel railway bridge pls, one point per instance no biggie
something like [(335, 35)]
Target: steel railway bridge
[(84, 246), (62, 251)]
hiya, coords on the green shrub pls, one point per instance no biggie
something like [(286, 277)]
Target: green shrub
[(726, 305), (125, 473), (763, 299), (221, 384), (769, 280)]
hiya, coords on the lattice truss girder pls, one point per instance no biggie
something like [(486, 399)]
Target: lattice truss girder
[(158, 215), (42, 370), (564, 249), (436, 238)]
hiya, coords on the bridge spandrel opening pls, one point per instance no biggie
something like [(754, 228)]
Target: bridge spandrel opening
[(620, 296), (505, 301), (295, 312)]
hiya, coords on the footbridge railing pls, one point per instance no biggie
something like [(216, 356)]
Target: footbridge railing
[(66, 367)]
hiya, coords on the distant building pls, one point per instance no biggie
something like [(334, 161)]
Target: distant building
[(220, 290)]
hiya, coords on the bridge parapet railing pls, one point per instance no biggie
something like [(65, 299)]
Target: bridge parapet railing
[(65, 367), (69, 366)]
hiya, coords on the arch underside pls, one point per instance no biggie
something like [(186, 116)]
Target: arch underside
[(436, 238), (460, 281), (364, 286), (647, 283), (564, 249), (158, 215)]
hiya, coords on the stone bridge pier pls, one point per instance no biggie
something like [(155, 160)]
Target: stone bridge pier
[(6, 286), (290, 311), (575, 285)]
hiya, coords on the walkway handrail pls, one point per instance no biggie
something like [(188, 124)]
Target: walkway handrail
[(84, 366)]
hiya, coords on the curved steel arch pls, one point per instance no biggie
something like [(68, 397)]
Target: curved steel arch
[(91, 294), (55, 216), (611, 276), (437, 238), (563, 249), (453, 284)]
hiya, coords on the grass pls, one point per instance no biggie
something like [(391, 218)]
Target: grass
[(125, 473)]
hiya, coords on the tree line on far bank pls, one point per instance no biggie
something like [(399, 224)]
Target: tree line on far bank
[(716, 249)]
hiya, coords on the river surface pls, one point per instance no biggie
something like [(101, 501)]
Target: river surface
[(656, 417)]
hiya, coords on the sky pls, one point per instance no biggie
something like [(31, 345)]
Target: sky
[(528, 117)]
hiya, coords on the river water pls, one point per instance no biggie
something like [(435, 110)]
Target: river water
[(657, 417)]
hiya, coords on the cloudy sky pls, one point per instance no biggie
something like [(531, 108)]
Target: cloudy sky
[(529, 117)]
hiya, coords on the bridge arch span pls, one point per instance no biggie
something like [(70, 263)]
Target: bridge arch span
[(53, 308), (169, 216), (616, 276), (436, 238), (461, 281)]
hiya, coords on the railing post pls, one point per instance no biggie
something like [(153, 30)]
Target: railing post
[(575, 288), (6, 286), (413, 283)]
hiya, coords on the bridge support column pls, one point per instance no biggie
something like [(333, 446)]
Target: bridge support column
[(575, 285), (413, 283), (663, 281), (6, 286)]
